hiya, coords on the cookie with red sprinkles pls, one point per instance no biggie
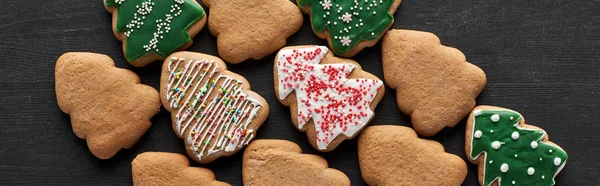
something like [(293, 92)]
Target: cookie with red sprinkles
[(212, 109), (331, 99)]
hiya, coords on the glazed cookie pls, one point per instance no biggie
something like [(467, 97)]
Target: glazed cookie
[(350, 26), (251, 29), (108, 105), (510, 152), (330, 98), (394, 155), (153, 29), (212, 109), (434, 83), (162, 168), (280, 162)]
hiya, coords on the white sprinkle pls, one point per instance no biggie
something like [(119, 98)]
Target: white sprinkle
[(515, 135), (513, 182), (504, 167), (478, 134), (550, 151), (530, 171), (495, 118), (540, 159), (491, 161), (557, 161), (511, 118), (516, 155), (534, 144)]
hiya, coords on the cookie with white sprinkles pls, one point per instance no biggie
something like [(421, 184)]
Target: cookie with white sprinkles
[(153, 29)]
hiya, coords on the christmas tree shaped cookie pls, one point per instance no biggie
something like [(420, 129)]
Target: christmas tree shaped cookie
[(330, 98), (509, 151), (153, 29), (251, 28), (212, 109), (350, 25)]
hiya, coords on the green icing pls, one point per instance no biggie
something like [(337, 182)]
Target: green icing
[(369, 19), (158, 26), (531, 166)]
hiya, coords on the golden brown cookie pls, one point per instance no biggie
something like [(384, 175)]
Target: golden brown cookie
[(350, 26), (212, 109), (108, 105), (331, 99), (251, 29), (162, 168), (280, 162), (153, 29), (394, 155), (510, 152), (434, 83)]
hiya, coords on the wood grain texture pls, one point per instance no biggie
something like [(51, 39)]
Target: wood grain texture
[(542, 58)]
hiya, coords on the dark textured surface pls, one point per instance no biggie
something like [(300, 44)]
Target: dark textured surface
[(540, 57)]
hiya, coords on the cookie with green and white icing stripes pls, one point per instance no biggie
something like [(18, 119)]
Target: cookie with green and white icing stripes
[(510, 152), (153, 29)]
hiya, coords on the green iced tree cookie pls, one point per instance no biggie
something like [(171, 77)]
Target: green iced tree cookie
[(158, 26), (512, 154), (349, 22)]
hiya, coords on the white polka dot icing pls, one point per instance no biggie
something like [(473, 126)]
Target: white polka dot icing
[(478, 134), (530, 171), (515, 135), (534, 144), (496, 145), (504, 167), (557, 161), (495, 118)]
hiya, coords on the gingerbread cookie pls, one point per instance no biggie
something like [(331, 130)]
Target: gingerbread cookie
[(394, 155), (212, 109), (280, 162), (350, 26), (108, 105), (330, 98), (510, 152), (251, 29), (434, 83), (153, 29), (162, 168)]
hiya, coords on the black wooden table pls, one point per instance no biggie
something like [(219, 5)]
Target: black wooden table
[(542, 58)]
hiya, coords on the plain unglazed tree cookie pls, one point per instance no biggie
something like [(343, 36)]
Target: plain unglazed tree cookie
[(395, 155), (251, 28), (331, 99), (212, 109), (280, 162), (510, 152), (108, 105), (153, 29), (434, 83), (163, 168)]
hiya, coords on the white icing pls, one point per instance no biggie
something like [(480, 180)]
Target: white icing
[(216, 114), (557, 161), (530, 171), (515, 135), (496, 145), (495, 118), (478, 134), (477, 112), (504, 167), (550, 151), (534, 144)]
